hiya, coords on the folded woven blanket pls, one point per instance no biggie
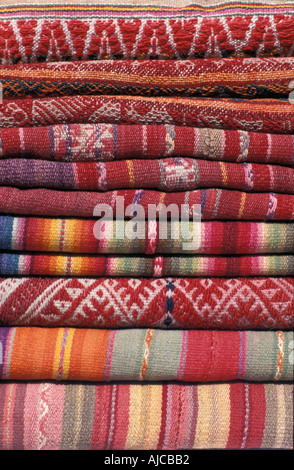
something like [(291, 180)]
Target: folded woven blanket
[(90, 236), (31, 33), (122, 416), (215, 203), (169, 174), (145, 354), (239, 303), (267, 115), (105, 142), (159, 266), (246, 78)]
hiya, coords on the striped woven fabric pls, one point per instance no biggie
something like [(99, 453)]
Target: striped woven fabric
[(169, 174), (215, 203), (105, 142), (159, 266), (119, 236), (171, 416), (38, 32), (145, 354), (219, 303), (246, 78), (153, 3), (267, 115)]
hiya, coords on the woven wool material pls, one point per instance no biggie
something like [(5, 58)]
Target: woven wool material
[(169, 3), (215, 203), (156, 266), (247, 78), (58, 32), (169, 174), (267, 115), (233, 304), (145, 354), (90, 236), (171, 416), (106, 142)]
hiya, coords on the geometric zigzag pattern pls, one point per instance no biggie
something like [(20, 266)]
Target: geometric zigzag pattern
[(237, 303), (172, 34)]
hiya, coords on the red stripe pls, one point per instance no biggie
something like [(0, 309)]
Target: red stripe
[(258, 147), (232, 146), (121, 417), (237, 415), (85, 179), (184, 135), (18, 437), (257, 406), (3, 392), (163, 417), (101, 417)]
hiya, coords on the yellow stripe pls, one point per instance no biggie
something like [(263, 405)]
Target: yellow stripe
[(78, 415), (67, 351), (213, 423), (134, 437), (153, 417), (280, 354), (71, 242), (243, 199), (59, 263), (131, 172), (57, 352), (162, 198), (50, 229), (69, 236), (168, 80), (281, 415), (224, 173), (223, 409), (128, 8), (203, 427)]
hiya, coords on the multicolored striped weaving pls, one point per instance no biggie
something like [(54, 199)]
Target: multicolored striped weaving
[(247, 78), (138, 354), (106, 142), (122, 416), (158, 266), (220, 204), (169, 174), (263, 303), (105, 109), (119, 236)]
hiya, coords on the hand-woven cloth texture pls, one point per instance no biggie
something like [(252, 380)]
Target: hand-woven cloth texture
[(219, 204), (32, 33), (145, 266), (120, 236), (80, 354), (213, 303), (106, 142), (154, 3), (245, 78), (169, 174), (52, 416), (267, 115)]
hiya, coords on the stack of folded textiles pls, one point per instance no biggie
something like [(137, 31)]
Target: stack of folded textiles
[(108, 342)]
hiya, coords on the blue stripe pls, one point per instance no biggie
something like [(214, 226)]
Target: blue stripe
[(6, 227)]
